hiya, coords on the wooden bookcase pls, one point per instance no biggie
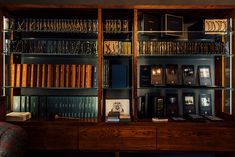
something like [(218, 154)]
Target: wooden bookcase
[(140, 134)]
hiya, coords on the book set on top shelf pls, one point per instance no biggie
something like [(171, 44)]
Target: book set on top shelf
[(118, 66)]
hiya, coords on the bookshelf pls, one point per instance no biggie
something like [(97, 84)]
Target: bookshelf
[(115, 49)]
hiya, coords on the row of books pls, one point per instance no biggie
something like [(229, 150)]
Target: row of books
[(56, 46), (116, 25), (55, 24), (117, 48), (153, 75), (181, 47), (115, 75), (154, 105), (53, 75), (43, 107)]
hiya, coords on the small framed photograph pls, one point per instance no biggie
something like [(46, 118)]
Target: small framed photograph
[(173, 25), (188, 74), (117, 105), (171, 74), (172, 104), (205, 104), (156, 75), (204, 75), (189, 103)]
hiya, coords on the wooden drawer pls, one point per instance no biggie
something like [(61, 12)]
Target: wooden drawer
[(52, 137), (196, 138), (117, 138)]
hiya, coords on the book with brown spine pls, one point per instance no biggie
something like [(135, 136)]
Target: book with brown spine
[(28, 75), (62, 73), (67, 73), (39, 79), (24, 75), (12, 83), (18, 75), (32, 75), (49, 75), (43, 75), (83, 75), (73, 75), (78, 85), (57, 75), (88, 81)]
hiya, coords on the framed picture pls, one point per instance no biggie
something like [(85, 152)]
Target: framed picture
[(172, 104), (189, 103), (205, 104), (117, 105), (173, 25), (171, 74), (158, 103), (188, 75), (156, 75), (204, 75)]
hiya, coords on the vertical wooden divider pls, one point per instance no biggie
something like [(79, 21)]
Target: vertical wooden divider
[(135, 40), (100, 45), (233, 65)]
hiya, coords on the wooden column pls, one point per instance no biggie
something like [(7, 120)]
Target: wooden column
[(100, 50), (135, 43)]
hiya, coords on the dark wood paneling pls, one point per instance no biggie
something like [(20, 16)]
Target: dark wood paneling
[(117, 138), (52, 137), (61, 138), (100, 51), (191, 138), (2, 108), (137, 138), (36, 137)]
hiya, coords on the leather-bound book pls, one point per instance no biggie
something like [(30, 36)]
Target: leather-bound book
[(57, 75), (43, 75), (18, 75), (32, 71), (73, 75), (24, 75), (78, 76), (67, 74), (13, 68), (39, 75), (88, 82), (49, 75), (62, 75), (83, 75)]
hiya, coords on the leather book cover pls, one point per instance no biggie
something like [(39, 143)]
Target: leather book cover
[(62, 75), (188, 74), (32, 71), (88, 82), (49, 75), (24, 75), (73, 75), (78, 76), (13, 68), (67, 74), (43, 75), (156, 75), (28, 75), (171, 74), (18, 75), (57, 75), (39, 75), (83, 75)]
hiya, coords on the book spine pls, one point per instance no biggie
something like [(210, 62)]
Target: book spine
[(88, 76), (38, 75), (18, 74), (32, 75), (49, 76), (78, 78), (12, 83), (62, 74), (43, 75), (24, 75), (73, 76), (67, 75), (83, 75), (28, 75), (57, 75)]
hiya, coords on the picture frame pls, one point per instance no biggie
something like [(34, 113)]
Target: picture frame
[(172, 105), (204, 74), (156, 75), (205, 104), (172, 74), (117, 105), (189, 106), (188, 74)]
